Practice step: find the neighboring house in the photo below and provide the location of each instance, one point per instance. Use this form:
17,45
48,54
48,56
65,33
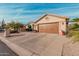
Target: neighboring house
30,23
50,23
26,26
23,28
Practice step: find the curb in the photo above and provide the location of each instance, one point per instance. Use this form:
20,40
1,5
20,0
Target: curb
15,48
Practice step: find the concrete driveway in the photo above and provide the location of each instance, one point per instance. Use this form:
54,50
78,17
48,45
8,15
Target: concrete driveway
42,44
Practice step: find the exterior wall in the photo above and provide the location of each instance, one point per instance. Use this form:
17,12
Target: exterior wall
51,19
23,28
35,27
62,27
26,26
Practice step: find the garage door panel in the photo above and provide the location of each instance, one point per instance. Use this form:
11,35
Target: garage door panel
49,28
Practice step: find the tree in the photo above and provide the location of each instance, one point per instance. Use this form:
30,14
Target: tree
75,19
13,26
75,24
3,24
29,27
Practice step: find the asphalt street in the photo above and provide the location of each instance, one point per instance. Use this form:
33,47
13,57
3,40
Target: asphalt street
5,50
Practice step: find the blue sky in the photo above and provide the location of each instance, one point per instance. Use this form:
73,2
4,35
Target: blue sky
25,12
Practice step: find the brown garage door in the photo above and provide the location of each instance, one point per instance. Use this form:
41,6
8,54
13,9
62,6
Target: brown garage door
49,27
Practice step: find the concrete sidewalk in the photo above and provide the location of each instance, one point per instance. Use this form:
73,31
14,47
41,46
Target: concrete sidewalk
41,44
6,51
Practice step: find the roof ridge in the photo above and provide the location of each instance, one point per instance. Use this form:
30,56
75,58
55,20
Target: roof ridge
58,15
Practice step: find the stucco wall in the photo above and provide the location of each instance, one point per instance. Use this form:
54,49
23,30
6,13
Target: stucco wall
62,27
35,27
49,19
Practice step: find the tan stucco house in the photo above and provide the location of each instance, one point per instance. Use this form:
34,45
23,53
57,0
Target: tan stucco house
50,23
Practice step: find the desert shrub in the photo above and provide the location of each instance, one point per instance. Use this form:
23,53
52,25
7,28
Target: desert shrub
74,35
75,38
74,27
71,33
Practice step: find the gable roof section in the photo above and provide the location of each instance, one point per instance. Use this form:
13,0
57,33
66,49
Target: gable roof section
51,15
